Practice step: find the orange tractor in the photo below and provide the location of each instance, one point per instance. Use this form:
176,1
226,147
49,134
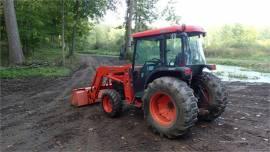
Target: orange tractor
167,79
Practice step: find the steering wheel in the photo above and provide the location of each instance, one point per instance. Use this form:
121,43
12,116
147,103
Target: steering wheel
172,62
153,60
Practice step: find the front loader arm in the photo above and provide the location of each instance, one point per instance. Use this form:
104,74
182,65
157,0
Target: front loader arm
103,80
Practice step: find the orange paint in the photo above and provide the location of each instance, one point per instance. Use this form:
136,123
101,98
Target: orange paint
79,97
102,80
162,109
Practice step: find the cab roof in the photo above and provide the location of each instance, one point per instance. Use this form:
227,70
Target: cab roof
170,29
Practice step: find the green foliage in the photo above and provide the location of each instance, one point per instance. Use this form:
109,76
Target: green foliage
235,36
45,56
264,34
103,38
239,45
260,64
40,21
40,28
51,57
23,72
237,41
3,55
169,13
100,52
238,76
45,62
145,12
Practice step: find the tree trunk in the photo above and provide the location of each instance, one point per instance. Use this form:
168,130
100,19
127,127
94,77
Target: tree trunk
71,51
63,32
15,49
136,28
128,27
76,10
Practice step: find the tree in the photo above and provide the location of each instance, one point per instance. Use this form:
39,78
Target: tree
63,32
39,23
145,13
236,36
15,50
232,36
264,33
83,11
76,17
142,12
170,13
128,28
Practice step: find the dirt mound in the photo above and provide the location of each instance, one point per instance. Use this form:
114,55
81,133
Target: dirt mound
36,116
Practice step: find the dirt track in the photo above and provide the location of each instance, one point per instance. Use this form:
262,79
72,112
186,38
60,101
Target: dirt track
36,116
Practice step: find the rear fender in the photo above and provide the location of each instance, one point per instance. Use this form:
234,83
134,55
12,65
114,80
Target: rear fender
197,69
177,72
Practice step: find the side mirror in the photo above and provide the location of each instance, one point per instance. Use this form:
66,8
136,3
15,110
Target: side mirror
204,34
211,67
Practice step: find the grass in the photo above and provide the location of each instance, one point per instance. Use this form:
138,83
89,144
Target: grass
41,63
49,56
99,52
257,61
47,62
260,64
255,56
234,75
25,71
219,73
237,76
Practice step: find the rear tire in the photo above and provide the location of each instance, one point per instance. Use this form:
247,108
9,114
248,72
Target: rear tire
175,93
214,98
111,102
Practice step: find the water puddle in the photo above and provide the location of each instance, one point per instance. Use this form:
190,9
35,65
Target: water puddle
235,73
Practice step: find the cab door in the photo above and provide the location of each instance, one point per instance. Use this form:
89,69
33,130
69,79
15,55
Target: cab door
147,56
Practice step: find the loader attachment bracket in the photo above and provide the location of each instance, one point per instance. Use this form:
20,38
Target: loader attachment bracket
80,97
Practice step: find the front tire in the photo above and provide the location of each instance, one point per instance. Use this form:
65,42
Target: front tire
170,107
111,102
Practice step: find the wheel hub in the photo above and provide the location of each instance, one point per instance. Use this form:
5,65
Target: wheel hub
162,109
107,104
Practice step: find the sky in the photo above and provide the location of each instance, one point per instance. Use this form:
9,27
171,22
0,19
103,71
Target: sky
206,12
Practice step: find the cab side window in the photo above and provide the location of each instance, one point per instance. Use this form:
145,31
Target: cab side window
146,50
173,49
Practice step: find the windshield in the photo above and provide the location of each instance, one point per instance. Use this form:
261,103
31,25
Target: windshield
195,54
175,51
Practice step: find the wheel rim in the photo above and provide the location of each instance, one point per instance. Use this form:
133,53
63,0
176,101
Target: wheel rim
107,104
162,109
206,102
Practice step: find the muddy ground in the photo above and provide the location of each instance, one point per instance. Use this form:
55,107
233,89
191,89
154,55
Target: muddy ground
36,116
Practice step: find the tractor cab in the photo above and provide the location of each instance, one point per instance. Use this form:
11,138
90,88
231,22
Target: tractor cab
173,51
